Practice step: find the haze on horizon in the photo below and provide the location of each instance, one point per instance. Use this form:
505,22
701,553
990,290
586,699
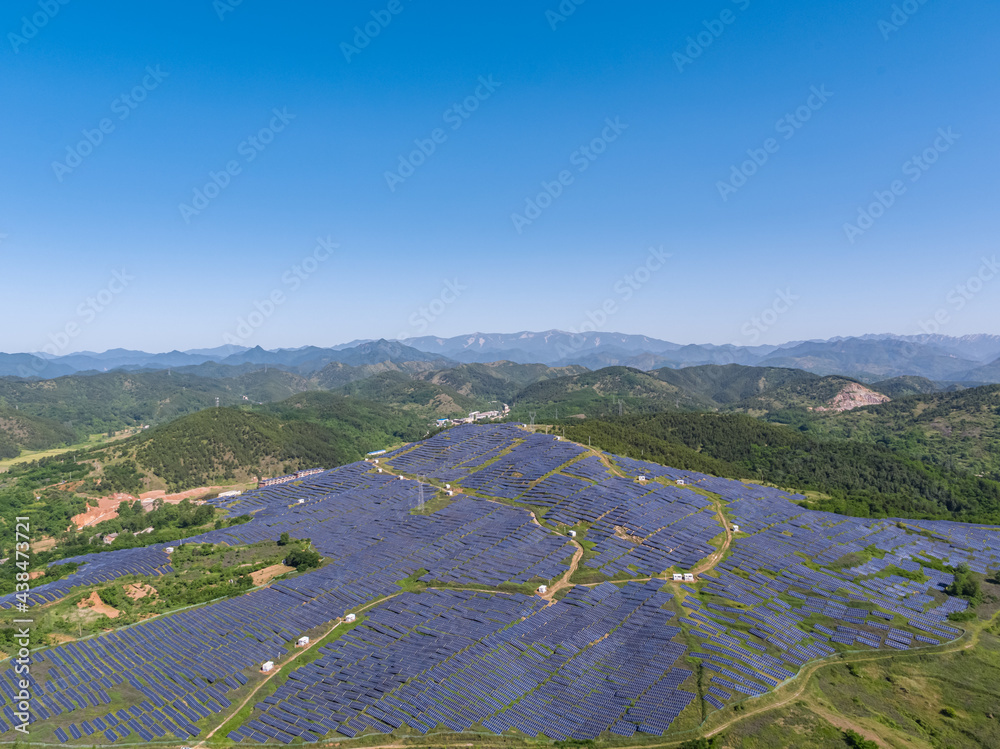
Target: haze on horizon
395,169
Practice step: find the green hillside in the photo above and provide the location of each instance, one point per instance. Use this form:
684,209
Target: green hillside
498,380
402,391
900,387
597,395
226,445
21,431
864,479
732,383
956,431
90,404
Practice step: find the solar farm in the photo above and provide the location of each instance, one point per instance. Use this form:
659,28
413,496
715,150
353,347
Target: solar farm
451,634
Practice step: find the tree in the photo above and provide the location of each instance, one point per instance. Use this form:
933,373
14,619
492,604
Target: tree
856,741
284,539
303,559
965,585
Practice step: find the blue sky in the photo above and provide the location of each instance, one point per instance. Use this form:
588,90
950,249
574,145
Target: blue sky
833,102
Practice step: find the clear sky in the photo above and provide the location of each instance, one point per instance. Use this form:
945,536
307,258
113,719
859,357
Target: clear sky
201,149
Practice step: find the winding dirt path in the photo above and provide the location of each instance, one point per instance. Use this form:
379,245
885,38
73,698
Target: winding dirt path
287,664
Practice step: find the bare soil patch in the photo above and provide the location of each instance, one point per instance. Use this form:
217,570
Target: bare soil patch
140,590
43,544
260,577
95,604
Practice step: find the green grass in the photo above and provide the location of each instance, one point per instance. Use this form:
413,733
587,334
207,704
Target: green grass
26,456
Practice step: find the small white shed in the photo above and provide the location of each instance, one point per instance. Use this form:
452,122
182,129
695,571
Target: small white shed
266,666
304,640
543,589
350,617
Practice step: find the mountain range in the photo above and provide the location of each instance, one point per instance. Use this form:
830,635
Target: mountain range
869,358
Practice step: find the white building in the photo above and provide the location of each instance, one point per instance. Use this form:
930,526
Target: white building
543,589
572,534
169,549
266,666
688,577
678,577
350,617
304,640
681,482
736,529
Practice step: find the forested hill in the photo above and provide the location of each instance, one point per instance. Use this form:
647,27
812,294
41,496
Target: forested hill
224,445
21,431
866,480
958,430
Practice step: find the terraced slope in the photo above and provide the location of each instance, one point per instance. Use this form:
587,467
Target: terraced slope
439,548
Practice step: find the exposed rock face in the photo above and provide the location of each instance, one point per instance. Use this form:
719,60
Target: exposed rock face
854,396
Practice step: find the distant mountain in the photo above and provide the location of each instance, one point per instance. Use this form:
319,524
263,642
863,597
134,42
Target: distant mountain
978,347
125,359
592,349
871,360
545,347
28,365
376,352
988,373
218,352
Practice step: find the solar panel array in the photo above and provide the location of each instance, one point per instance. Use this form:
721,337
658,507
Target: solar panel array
606,658
603,656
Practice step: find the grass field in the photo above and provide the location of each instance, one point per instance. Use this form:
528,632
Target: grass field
94,440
